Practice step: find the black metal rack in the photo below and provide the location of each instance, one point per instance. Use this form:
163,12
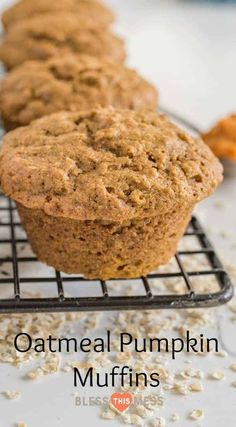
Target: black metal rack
191,297
148,300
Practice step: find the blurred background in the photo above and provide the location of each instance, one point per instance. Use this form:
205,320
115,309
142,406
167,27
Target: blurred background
188,49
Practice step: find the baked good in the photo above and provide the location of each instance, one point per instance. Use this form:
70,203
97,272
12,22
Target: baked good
222,138
38,88
88,9
106,193
55,35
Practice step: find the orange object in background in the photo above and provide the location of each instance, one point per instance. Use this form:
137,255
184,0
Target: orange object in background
222,138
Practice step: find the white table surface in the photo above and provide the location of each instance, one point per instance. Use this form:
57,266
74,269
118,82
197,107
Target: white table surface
188,49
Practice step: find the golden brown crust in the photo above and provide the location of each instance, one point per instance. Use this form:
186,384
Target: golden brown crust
88,9
222,138
56,35
73,83
106,164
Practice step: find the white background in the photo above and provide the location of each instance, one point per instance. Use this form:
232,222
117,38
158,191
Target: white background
188,49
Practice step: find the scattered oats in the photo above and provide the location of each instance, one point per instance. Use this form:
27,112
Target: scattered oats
66,368
221,353
199,374
175,417
158,422
181,388
141,324
196,414
124,357
168,387
142,411
89,363
134,419
101,359
35,375
126,418
197,386
52,364
108,415
22,425
191,373
218,375
12,394
233,384
35,324
91,321
233,367
126,387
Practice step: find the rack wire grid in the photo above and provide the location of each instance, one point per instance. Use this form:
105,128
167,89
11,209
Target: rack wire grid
20,269
12,277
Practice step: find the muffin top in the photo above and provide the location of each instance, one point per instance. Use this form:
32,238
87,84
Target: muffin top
222,138
37,88
106,164
88,9
55,35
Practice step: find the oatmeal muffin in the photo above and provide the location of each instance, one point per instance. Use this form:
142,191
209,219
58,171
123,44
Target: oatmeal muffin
106,193
88,9
37,88
55,35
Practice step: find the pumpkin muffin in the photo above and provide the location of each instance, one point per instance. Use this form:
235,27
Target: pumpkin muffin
87,9
106,193
222,138
55,35
37,88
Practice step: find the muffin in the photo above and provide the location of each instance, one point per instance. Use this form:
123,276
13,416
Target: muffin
106,193
55,35
88,9
37,88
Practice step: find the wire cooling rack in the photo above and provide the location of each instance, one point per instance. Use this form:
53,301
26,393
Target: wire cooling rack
14,276
187,283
